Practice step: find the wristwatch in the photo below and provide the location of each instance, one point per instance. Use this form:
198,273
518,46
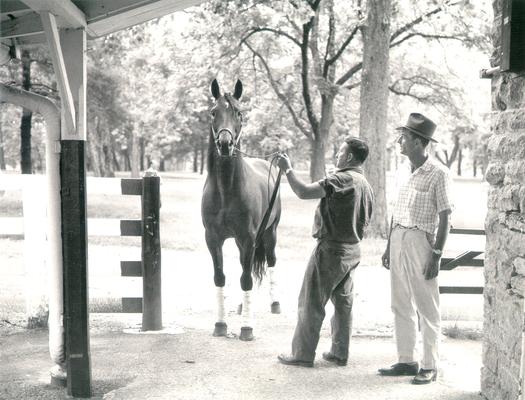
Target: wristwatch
437,252
288,170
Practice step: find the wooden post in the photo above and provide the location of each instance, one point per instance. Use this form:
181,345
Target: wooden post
74,248
151,261
74,218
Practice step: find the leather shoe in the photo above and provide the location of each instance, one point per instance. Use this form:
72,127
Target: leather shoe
289,360
425,376
400,369
328,356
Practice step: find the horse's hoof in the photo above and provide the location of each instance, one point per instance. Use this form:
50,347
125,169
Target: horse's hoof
246,334
221,329
276,307
239,309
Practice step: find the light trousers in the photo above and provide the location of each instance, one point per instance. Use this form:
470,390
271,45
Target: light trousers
413,296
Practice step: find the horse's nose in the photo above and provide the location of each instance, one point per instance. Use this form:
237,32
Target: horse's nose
225,138
225,143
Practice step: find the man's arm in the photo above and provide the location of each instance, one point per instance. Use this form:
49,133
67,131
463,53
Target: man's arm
301,189
432,268
305,190
386,255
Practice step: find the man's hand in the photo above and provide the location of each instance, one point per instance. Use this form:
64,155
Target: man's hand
284,162
432,267
385,259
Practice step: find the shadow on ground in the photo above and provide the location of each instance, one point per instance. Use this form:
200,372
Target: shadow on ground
193,364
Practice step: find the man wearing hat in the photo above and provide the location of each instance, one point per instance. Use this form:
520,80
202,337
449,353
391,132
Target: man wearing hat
414,251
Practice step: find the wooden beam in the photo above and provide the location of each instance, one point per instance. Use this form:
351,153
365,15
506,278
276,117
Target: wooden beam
131,268
68,14
465,259
460,290
461,231
53,39
120,14
131,186
28,25
130,227
74,48
132,304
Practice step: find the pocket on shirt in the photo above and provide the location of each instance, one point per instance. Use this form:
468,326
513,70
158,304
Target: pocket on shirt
419,201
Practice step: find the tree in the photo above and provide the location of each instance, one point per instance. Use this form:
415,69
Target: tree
374,104
321,40
32,72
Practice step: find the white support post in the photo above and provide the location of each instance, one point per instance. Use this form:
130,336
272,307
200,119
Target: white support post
34,208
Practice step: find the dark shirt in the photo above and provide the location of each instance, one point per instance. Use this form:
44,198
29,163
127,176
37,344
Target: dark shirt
343,214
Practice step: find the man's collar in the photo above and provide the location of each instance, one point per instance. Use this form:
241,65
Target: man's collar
356,168
426,166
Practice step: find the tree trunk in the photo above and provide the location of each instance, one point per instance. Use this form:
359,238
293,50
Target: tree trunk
2,154
135,153
203,157
374,106
26,166
317,152
93,156
142,147
116,164
195,159
460,160
474,167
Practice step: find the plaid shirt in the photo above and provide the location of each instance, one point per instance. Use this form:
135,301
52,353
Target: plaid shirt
422,195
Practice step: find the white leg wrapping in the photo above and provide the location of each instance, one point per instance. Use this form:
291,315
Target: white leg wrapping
247,309
220,304
273,285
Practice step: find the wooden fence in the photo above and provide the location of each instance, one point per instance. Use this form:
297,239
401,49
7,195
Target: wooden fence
465,259
149,267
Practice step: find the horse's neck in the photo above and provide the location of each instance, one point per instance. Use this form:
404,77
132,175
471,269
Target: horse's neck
227,174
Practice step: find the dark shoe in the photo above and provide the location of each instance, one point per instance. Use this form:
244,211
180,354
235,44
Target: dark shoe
328,356
425,376
399,369
289,360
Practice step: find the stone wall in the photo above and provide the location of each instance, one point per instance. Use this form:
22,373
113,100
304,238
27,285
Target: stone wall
505,230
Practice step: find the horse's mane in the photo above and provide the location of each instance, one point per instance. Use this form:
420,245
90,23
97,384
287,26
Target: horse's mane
234,103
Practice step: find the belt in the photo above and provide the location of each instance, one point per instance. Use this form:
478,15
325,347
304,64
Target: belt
405,227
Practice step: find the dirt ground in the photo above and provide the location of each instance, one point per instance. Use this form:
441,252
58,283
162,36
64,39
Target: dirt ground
186,362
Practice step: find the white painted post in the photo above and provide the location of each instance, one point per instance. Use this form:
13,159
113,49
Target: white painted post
35,254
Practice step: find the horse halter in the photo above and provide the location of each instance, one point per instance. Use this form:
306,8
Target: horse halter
217,134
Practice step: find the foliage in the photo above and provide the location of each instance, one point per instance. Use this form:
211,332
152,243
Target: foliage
300,62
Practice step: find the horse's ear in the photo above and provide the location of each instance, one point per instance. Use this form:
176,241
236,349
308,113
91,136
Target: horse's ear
238,89
215,91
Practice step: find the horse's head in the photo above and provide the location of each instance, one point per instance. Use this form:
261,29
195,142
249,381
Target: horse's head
226,119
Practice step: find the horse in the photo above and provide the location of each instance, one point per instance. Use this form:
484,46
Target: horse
236,195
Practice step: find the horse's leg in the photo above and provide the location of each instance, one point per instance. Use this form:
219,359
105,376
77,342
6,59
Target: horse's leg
215,247
269,241
246,251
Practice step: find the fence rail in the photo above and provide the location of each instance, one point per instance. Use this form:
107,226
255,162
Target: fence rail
466,259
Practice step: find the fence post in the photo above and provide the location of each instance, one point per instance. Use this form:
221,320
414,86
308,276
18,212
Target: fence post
151,260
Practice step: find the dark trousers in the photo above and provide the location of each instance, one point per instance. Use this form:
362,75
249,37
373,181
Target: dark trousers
329,275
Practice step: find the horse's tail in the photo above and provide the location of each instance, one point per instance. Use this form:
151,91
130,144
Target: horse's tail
259,262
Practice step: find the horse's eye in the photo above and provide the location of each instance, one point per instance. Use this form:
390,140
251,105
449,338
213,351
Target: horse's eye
212,113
